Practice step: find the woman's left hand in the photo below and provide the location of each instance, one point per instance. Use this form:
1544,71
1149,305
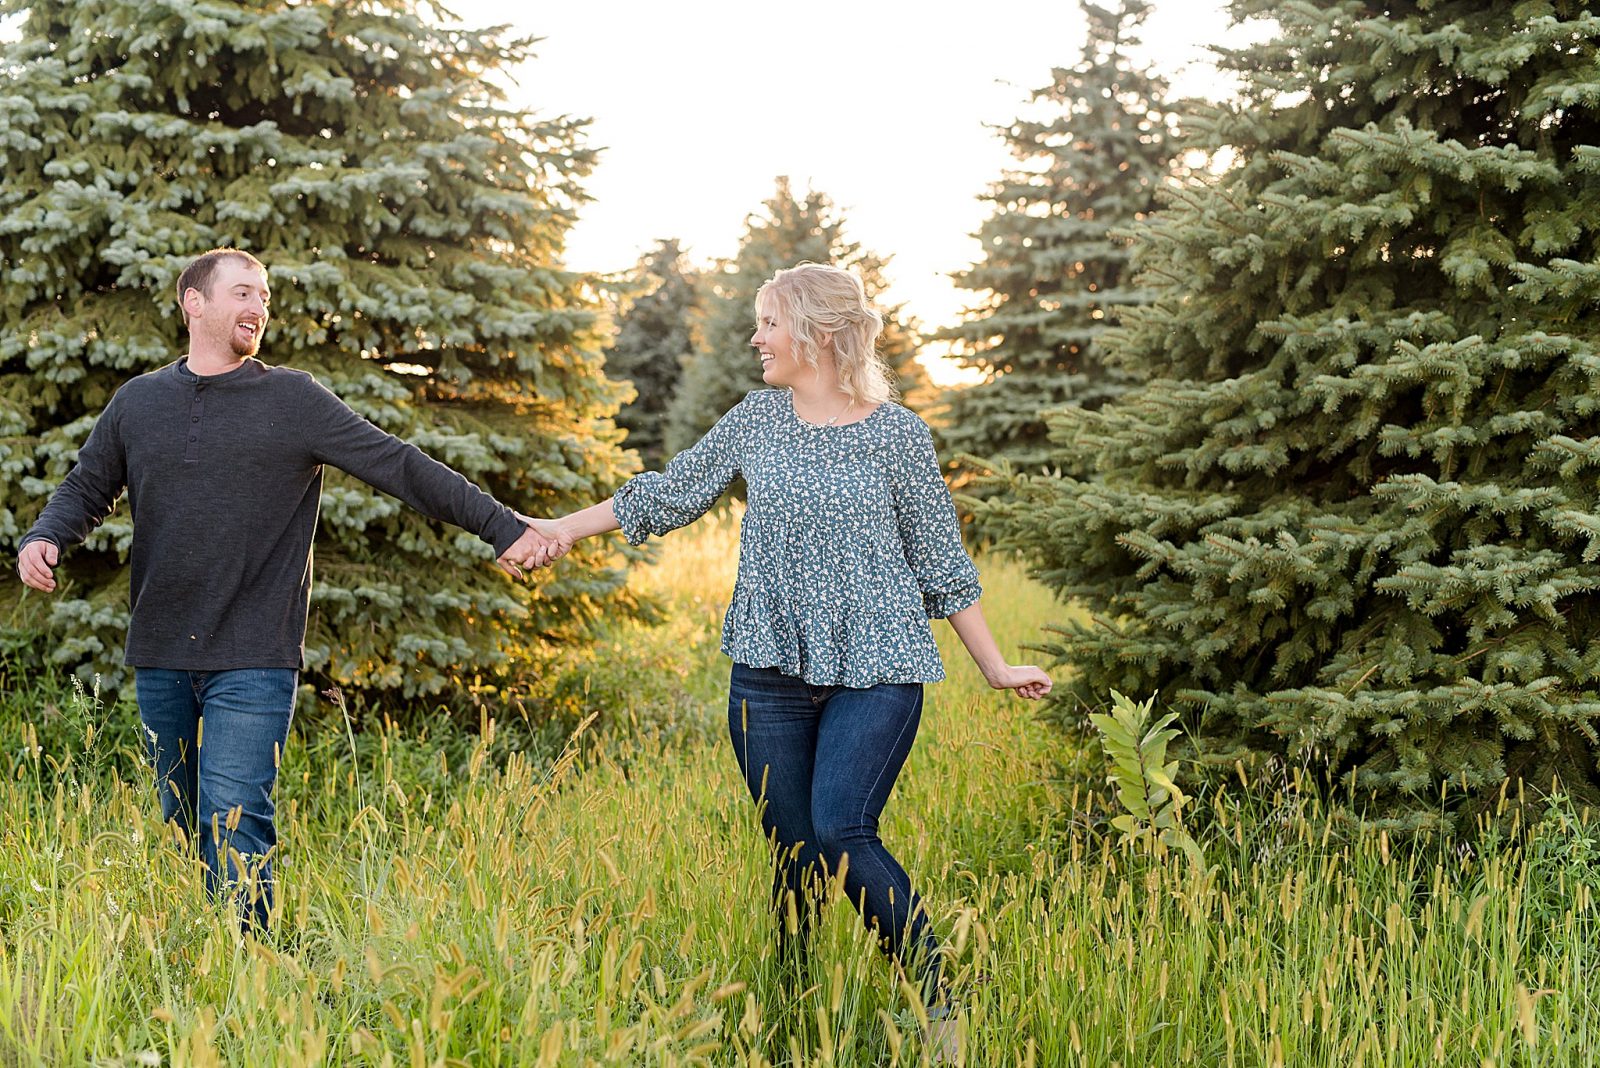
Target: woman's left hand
1027,680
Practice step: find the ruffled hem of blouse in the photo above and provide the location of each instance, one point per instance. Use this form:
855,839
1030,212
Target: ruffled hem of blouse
837,648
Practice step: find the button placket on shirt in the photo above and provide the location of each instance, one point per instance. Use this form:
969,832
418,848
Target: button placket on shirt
191,451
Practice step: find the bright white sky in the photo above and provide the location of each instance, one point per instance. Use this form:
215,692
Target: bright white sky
881,104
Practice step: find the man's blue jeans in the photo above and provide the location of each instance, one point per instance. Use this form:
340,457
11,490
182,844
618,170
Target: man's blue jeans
821,761
216,783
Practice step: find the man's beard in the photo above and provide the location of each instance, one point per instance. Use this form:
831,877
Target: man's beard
244,348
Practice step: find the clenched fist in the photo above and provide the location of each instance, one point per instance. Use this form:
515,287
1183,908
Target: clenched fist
35,564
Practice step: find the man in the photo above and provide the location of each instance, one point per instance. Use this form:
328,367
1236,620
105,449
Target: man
222,459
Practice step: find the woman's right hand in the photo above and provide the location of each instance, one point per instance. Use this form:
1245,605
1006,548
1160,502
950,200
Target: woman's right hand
557,540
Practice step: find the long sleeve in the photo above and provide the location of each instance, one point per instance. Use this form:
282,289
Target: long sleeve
336,435
90,491
657,502
929,530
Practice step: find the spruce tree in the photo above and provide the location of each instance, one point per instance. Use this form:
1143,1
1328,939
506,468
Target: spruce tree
1053,274
788,230
656,334
1352,520
412,224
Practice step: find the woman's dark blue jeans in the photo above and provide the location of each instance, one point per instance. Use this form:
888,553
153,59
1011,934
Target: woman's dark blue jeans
820,762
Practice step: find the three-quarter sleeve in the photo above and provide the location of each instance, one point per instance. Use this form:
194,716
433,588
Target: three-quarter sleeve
929,529
656,502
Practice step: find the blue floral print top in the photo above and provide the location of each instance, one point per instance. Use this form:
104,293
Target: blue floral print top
850,542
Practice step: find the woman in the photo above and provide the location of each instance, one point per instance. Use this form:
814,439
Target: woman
849,546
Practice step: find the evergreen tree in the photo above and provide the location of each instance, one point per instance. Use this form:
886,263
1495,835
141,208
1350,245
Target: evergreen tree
655,338
411,223
789,230
1352,521
1053,276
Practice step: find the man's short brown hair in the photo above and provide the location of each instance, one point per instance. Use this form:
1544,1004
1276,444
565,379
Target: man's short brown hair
198,274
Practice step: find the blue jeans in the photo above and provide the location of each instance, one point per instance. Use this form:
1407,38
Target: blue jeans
820,762
217,785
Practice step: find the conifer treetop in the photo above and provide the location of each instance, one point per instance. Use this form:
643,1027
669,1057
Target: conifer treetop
1097,143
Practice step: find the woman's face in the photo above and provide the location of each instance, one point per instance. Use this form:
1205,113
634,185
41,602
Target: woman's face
781,364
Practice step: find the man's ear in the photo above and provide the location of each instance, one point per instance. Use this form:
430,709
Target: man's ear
193,302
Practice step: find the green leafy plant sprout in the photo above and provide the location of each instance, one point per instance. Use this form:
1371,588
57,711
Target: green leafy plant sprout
1136,752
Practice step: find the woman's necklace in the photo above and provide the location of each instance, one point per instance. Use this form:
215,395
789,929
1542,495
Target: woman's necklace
840,414
850,404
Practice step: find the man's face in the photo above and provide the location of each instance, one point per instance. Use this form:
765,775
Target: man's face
234,313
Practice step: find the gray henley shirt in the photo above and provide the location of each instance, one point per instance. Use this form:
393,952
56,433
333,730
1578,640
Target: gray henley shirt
224,479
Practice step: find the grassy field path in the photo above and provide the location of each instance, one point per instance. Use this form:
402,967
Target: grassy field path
446,901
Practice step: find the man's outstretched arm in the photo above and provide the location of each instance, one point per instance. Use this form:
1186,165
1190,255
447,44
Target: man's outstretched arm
337,435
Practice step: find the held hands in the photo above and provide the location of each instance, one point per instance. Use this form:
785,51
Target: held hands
35,563
1027,680
541,544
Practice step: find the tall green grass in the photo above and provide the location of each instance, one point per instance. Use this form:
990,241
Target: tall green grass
448,900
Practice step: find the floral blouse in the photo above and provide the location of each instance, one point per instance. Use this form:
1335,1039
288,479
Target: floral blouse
850,542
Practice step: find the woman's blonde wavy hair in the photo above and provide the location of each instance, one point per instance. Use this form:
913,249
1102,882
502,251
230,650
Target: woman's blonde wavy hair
819,300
